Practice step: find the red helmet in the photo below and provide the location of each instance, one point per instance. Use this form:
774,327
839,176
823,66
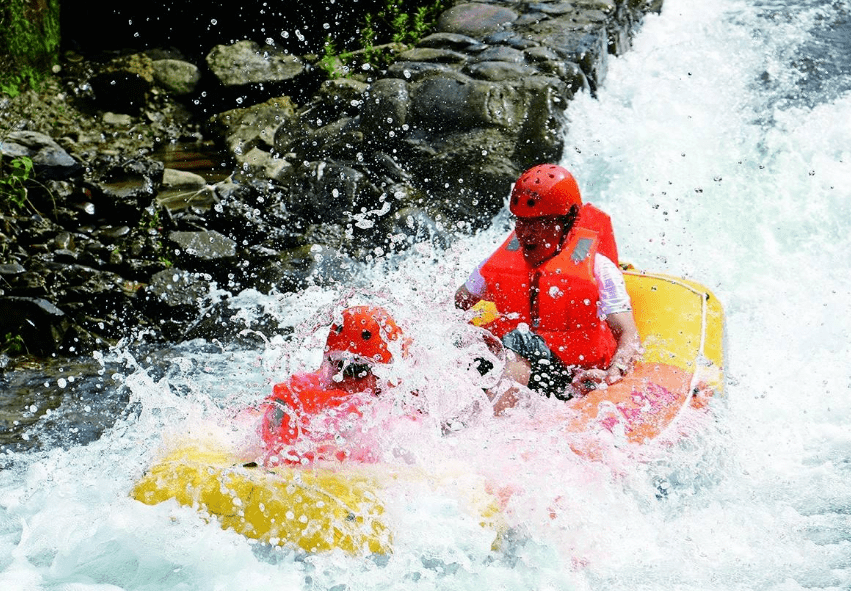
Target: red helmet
364,331
544,190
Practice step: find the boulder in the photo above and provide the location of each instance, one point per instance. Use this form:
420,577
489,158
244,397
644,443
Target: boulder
245,62
176,76
255,126
385,108
475,19
122,85
50,160
203,246
39,323
122,188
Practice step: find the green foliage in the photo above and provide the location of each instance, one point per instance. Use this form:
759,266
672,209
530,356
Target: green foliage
394,27
333,63
13,186
13,344
13,84
29,43
405,22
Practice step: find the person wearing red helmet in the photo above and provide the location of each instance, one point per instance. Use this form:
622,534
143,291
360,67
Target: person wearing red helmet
307,417
560,301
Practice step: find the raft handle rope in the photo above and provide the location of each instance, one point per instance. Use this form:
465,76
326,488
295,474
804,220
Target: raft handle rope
701,360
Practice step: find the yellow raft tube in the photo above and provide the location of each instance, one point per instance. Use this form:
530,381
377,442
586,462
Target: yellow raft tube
315,508
320,508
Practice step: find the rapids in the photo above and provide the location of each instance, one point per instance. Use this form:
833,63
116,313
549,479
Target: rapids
721,146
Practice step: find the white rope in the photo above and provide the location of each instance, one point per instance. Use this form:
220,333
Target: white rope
700,360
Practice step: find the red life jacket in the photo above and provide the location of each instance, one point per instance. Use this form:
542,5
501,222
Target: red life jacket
559,299
303,418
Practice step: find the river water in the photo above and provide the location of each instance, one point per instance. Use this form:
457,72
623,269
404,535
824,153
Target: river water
721,145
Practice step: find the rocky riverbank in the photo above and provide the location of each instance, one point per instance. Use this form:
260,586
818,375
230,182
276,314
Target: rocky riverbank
159,181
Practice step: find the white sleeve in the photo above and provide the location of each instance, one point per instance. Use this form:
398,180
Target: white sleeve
613,295
475,283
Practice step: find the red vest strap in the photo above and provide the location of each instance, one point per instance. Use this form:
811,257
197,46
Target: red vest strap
600,223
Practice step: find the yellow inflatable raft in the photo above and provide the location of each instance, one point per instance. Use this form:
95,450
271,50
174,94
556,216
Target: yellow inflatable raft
315,508
322,508
681,324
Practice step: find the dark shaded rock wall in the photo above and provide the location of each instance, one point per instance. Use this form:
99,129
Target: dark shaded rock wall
116,240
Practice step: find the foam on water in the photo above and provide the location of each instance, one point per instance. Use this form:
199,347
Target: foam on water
717,164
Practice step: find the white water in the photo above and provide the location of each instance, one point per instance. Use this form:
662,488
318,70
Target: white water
710,170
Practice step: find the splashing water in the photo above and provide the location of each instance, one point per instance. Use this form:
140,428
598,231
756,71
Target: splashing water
721,145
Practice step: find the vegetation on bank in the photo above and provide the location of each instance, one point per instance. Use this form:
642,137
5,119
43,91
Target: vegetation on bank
13,184
29,43
396,26
30,39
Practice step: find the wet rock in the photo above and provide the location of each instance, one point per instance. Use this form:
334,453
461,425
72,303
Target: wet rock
203,247
182,189
548,61
174,297
341,97
541,135
36,232
258,163
182,180
499,71
177,289
458,103
557,8
117,119
244,219
474,19
11,269
512,39
255,126
428,54
500,54
327,192
389,166
29,284
122,85
245,62
385,107
452,41
230,323
464,178
583,41
340,140
39,323
50,161
176,76
122,188
414,71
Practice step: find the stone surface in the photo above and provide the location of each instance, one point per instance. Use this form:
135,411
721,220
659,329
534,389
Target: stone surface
204,245
315,173
475,19
176,76
245,62
50,160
